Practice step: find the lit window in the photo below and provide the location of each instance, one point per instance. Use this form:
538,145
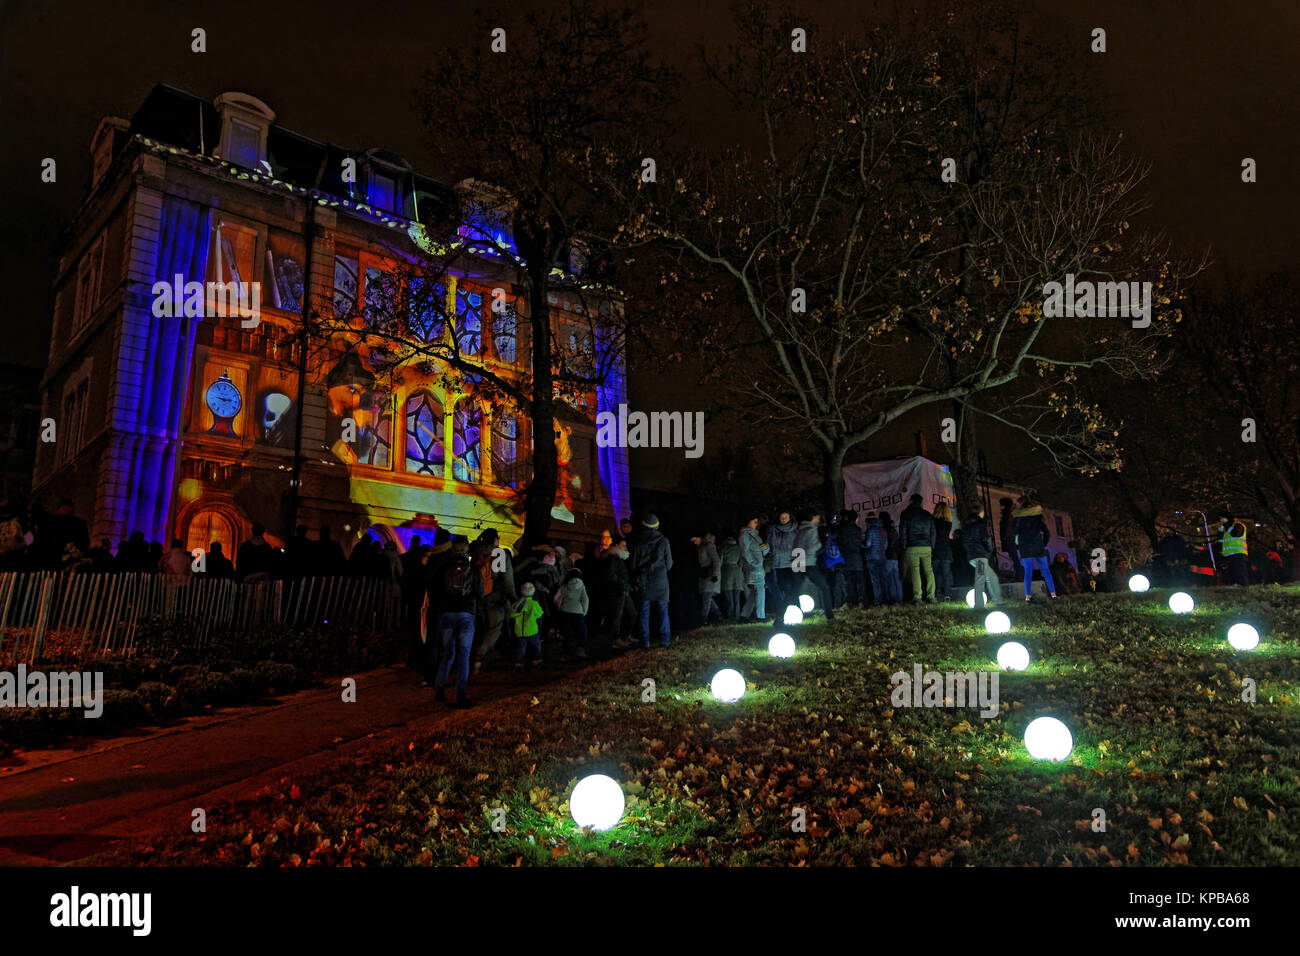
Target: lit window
285,276
374,422
345,285
505,332
506,466
381,297
426,305
383,191
244,145
467,440
424,430
469,322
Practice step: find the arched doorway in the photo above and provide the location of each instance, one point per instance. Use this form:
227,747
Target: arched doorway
211,525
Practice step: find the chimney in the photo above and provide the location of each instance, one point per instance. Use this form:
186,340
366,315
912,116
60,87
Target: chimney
920,443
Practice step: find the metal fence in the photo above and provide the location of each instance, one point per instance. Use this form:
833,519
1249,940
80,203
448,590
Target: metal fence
102,613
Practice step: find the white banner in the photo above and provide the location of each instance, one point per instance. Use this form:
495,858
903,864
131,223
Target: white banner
888,486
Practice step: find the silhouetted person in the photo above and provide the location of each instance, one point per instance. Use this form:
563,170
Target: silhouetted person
256,558
299,553
101,558
330,561
133,555
216,564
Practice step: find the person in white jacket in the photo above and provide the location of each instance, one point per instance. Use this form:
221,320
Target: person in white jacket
572,603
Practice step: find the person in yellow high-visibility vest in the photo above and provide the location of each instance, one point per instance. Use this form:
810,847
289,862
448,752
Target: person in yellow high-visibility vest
1232,546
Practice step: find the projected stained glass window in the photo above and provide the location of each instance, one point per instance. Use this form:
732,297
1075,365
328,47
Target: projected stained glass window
469,322
467,426
424,434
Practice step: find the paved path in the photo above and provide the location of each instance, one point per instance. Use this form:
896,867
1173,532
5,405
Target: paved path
63,805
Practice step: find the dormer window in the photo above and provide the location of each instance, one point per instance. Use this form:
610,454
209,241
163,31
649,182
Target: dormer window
243,147
383,190
245,122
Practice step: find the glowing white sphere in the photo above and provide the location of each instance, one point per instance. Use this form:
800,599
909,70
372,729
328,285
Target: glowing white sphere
970,598
728,686
1046,738
806,603
1243,637
597,802
997,623
1181,603
1013,656
792,615
1139,582
781,645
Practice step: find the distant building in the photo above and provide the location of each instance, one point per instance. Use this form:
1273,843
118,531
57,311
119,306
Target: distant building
193,427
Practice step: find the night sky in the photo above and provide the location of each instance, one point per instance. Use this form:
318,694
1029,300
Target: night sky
1194,87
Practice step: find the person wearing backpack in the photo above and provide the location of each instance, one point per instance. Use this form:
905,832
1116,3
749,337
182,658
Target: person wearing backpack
524,615
462,590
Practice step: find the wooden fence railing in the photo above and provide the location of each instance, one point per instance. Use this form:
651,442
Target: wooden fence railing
102,613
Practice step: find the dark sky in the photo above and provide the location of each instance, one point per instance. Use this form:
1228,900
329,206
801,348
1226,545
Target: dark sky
1195,86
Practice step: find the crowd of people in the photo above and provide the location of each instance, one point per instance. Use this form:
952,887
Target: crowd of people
469,604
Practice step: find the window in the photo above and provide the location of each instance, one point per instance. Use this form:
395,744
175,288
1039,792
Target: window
73,426
89,275
507,468
424,434
383,191
1060,527
469,322
467,440
284,257
426,306
244,144
233,250
381,296
374,421
345,284
505,331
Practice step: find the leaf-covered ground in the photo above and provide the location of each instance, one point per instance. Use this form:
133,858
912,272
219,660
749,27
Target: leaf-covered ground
1184,769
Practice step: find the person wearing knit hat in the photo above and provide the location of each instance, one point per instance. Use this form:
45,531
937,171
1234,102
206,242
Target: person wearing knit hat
651,561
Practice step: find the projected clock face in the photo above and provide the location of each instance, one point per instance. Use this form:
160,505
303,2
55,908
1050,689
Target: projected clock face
223,398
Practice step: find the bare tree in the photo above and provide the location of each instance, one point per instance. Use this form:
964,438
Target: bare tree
841,238
547,120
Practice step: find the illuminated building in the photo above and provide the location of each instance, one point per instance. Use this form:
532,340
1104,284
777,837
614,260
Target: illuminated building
187,426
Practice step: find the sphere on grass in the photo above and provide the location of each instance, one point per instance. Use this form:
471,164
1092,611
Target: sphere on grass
1013,656
728,686
596,802
1047,738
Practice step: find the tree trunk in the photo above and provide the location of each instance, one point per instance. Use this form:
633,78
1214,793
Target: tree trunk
540,496
833,478
965,466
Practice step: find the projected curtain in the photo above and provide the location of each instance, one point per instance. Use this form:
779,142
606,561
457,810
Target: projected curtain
183,239
611,463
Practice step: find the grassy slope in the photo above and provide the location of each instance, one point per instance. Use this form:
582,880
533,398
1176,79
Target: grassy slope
1185,771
